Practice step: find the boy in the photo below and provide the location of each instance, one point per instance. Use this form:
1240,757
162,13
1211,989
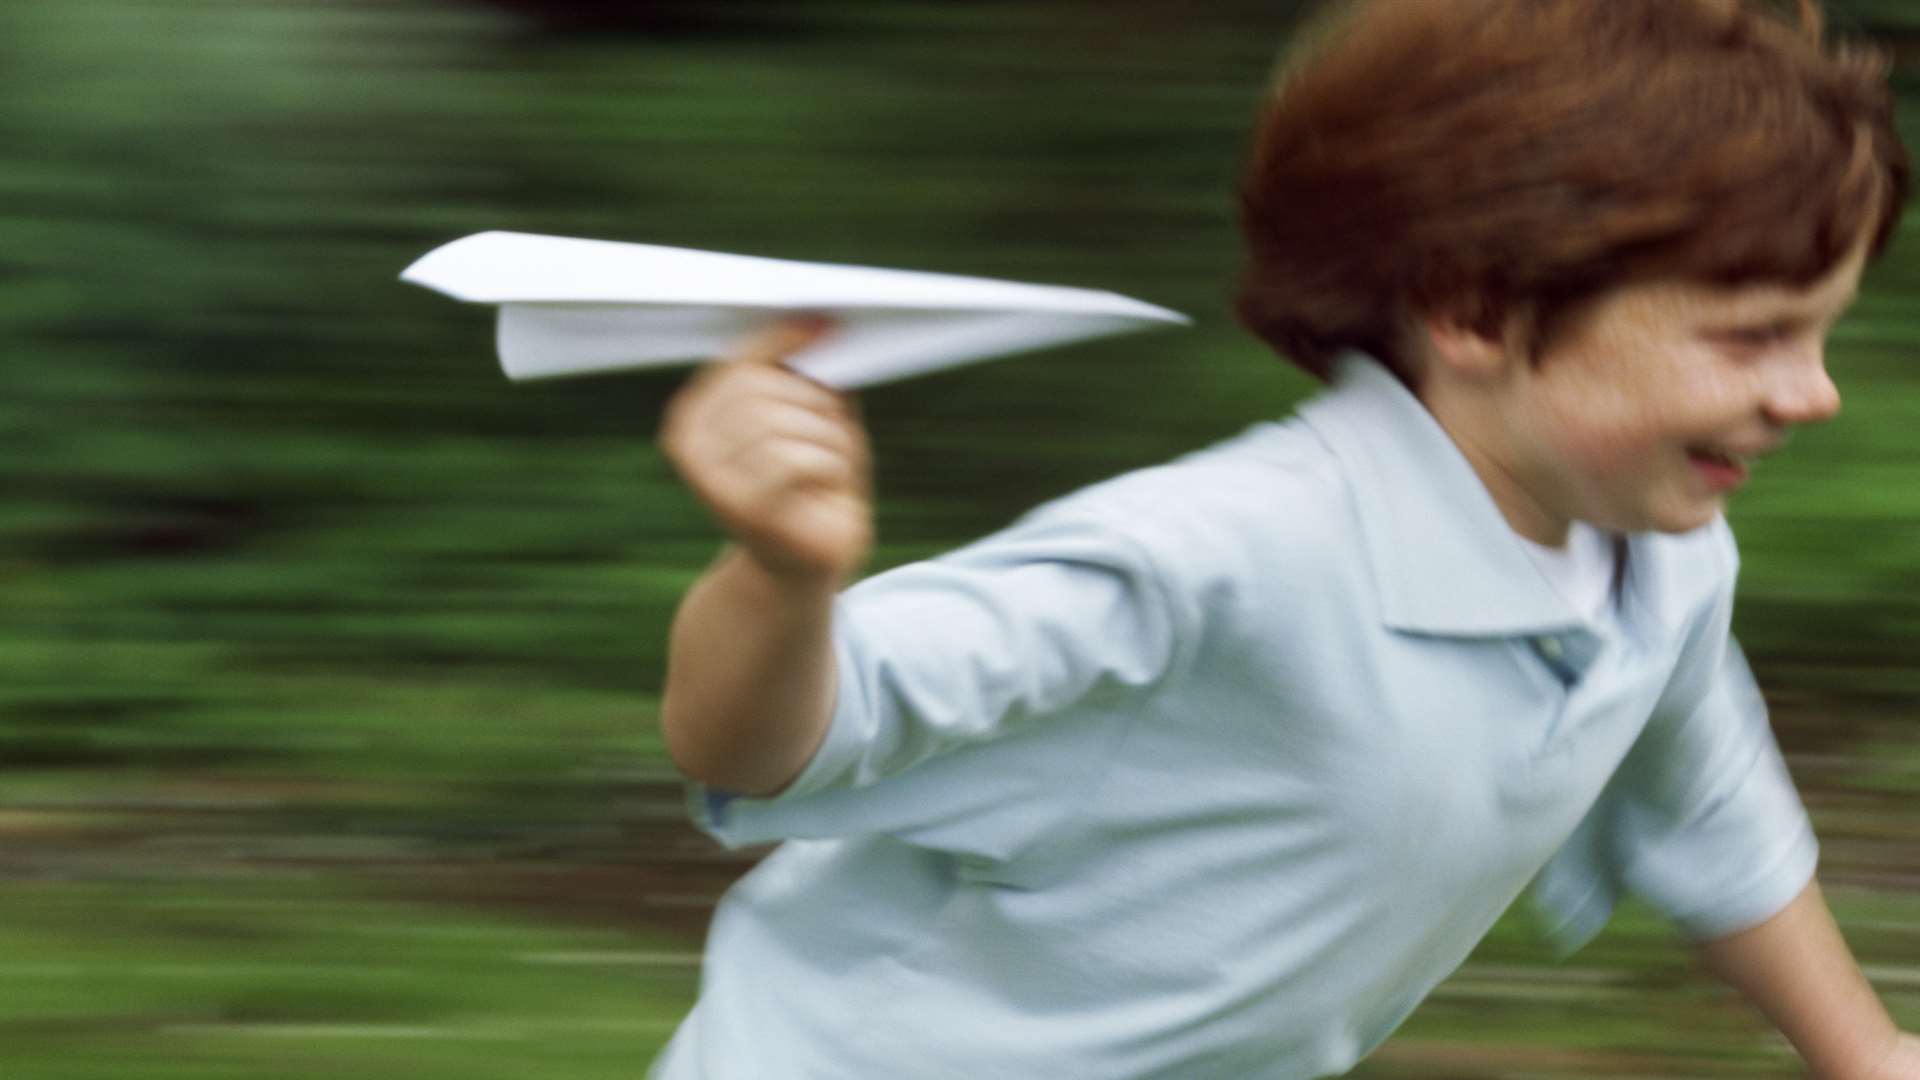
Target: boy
1214,770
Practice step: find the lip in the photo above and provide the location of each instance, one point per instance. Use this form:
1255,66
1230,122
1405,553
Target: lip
1720,474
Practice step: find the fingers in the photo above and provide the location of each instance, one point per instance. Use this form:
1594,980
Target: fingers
734,417
769,449
757,483
737,424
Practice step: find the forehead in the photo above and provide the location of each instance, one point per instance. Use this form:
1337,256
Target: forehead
1825,297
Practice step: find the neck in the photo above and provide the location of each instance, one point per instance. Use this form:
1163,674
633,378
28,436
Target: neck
1478,440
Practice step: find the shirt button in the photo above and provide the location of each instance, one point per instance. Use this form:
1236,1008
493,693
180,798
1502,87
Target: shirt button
1550,647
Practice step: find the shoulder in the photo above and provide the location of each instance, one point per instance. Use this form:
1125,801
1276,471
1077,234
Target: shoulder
1272,488
1260,521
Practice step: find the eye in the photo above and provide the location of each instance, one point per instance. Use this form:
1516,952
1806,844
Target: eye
1754,337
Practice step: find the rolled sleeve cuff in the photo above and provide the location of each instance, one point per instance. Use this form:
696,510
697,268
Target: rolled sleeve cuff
1749,899
740,820
1734,865
1573,900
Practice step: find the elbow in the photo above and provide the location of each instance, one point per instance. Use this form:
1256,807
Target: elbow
691,758
700,757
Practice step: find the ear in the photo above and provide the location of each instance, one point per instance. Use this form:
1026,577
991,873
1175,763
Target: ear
1463,349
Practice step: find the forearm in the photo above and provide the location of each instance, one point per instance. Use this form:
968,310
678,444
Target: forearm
1797,969
750,676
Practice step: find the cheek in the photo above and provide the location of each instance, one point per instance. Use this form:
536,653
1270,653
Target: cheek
1634,404
1608,431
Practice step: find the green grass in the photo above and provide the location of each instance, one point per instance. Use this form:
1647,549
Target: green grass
311,976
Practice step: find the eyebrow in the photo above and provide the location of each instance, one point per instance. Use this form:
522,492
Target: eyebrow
1794,312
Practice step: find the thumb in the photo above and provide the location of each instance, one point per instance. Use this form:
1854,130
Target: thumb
776,342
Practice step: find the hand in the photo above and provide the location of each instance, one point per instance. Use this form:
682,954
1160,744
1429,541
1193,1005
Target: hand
782,461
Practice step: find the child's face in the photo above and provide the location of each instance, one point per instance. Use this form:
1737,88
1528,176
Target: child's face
1650,410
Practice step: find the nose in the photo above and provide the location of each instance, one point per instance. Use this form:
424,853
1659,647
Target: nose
1801,392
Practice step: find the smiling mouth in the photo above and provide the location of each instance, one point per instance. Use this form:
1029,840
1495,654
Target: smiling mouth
1722,470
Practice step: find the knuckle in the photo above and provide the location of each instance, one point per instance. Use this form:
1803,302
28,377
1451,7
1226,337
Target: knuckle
811,466
794,470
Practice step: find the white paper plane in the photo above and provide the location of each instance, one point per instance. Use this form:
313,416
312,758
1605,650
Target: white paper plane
570,307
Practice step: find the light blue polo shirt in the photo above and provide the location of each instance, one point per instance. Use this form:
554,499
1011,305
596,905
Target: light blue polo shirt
1212,771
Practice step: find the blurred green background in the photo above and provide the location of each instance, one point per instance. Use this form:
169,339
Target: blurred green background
330,659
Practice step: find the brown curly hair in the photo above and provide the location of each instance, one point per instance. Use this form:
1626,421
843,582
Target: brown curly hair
1482,159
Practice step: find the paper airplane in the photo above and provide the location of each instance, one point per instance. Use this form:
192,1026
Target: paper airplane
570,307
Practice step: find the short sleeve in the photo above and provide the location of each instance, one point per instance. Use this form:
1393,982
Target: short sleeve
1713,833
1702,819
1054,623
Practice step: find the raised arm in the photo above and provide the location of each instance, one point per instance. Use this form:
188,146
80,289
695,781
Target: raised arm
1797,969
783,464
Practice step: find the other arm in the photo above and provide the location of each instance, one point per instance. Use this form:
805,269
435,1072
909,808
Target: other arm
1798,970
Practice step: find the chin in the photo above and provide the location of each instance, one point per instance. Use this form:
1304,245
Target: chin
1685,519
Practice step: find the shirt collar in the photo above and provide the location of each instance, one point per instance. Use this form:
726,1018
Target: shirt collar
1444,560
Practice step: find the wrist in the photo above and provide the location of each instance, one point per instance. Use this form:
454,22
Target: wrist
1876,1058
1900,1060
781,583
